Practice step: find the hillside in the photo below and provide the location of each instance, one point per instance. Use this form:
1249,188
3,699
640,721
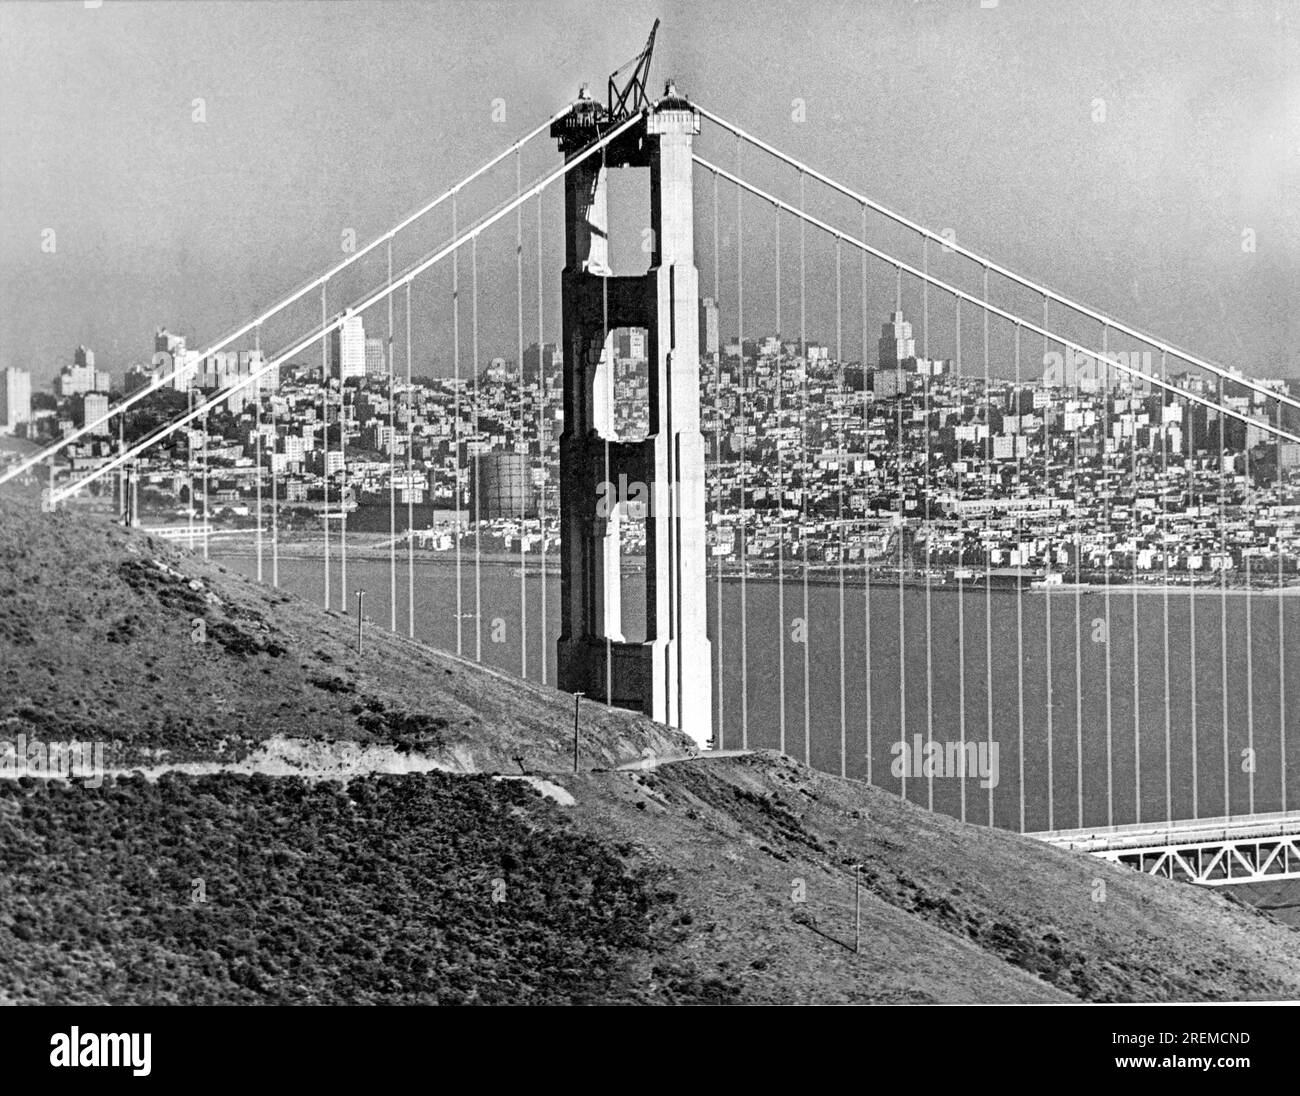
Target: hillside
676,884
114,635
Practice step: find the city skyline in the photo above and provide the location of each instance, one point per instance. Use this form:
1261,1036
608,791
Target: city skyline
962,465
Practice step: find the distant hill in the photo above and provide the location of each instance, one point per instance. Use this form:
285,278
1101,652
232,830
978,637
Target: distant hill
704,879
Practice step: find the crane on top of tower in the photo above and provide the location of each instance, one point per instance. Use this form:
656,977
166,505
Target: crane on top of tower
587,120
625,102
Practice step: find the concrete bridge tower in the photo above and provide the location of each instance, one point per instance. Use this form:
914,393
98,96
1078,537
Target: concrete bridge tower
669,676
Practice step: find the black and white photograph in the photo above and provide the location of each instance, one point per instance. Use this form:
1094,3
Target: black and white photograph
653,503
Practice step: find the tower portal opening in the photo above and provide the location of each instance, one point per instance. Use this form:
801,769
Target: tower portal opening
631,239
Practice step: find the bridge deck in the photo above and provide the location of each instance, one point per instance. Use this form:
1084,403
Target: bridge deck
1184,831
1209,851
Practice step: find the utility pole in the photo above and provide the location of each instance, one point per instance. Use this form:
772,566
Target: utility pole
123,504
857,908
189,461
577,700
360,602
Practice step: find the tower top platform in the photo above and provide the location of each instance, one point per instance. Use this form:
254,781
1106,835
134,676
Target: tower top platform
587,121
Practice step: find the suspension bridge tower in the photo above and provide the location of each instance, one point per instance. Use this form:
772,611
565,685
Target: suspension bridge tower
669,675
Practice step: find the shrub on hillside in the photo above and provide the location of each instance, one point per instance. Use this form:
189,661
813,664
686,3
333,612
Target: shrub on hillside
393,889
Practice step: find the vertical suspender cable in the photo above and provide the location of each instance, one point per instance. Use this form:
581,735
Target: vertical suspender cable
961,545
839,496
866,510
1223,610
456,441
988,554
1020,598
1075,492
804,488
898,531
343,477
1281,632
477,468
1047,600
1047,590
780,493
119,478
189,461
521,443
325,434
392,461
744,468
719,630
257,454
541,439
924,515
1191,628
1164,556
275,501
343,488
207,506
1107,481
410,469
1247,598
607,363
1137,536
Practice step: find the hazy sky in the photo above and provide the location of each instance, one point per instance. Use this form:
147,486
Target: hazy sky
324,117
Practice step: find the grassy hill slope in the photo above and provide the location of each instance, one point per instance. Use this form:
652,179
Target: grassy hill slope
708,879
113,635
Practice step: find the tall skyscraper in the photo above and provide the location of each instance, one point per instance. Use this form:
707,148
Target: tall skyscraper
170,356
139,376
94,406
708,328
81,376
630,343
348,349
15,398
164,342
376,360
541,362
896,342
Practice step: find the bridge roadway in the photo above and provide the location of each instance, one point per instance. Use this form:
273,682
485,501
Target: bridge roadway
1210,851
